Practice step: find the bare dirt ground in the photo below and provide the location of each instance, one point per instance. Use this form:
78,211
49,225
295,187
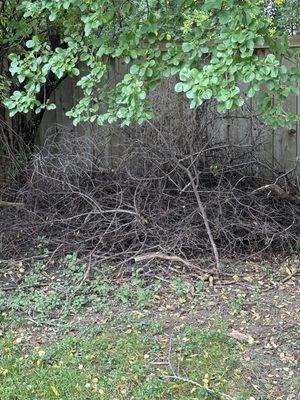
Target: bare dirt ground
269,321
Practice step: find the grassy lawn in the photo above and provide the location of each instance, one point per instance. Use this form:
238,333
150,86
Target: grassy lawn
169,337
123,362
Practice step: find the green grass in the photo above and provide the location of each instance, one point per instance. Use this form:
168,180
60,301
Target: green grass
115,360
133,328
121,363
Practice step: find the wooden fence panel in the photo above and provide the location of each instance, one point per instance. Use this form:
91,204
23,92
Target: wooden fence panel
285,139
298,132
280,148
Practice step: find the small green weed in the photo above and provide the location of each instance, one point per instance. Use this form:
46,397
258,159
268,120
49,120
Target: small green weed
55,296
238,303
41,246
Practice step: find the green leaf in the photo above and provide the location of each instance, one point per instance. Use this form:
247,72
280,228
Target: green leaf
251,92
179,87
221,107
224,17
30,44
260,41
193,104
212,4
51,106
122,112
207,94
134,69
229,104
240,102
142,95
186,47
75,71
52,16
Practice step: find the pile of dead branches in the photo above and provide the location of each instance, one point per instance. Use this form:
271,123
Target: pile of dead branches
167,194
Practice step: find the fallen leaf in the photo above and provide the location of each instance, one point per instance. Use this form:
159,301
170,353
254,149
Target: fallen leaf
241,336
55,391
250,340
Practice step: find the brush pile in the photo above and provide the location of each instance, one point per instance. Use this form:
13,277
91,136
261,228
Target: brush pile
112,209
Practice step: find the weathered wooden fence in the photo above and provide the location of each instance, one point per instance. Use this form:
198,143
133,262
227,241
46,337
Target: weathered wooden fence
279,148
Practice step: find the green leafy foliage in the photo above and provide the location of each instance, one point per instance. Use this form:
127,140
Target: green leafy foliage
285,15
210,44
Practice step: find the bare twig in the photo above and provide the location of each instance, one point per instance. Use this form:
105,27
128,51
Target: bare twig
194,383
161,256
10,204
278,190
177,377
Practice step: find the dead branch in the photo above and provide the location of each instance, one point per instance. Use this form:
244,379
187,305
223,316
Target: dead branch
194,383
11,204
278,190
166,257
177,377
205,219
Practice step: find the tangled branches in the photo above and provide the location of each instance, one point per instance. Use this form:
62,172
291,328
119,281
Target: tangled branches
177,194
13,153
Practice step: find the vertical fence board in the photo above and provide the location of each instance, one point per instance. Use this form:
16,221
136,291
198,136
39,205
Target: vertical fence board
298,132
285,139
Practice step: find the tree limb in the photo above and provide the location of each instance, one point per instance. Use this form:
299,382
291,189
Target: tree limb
11,204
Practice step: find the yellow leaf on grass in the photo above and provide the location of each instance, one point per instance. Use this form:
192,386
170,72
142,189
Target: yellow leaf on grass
206,383
290,270
256,316
250,340
55,391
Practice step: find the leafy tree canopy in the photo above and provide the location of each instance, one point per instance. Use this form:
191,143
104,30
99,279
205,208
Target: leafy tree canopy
209,44
284,15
